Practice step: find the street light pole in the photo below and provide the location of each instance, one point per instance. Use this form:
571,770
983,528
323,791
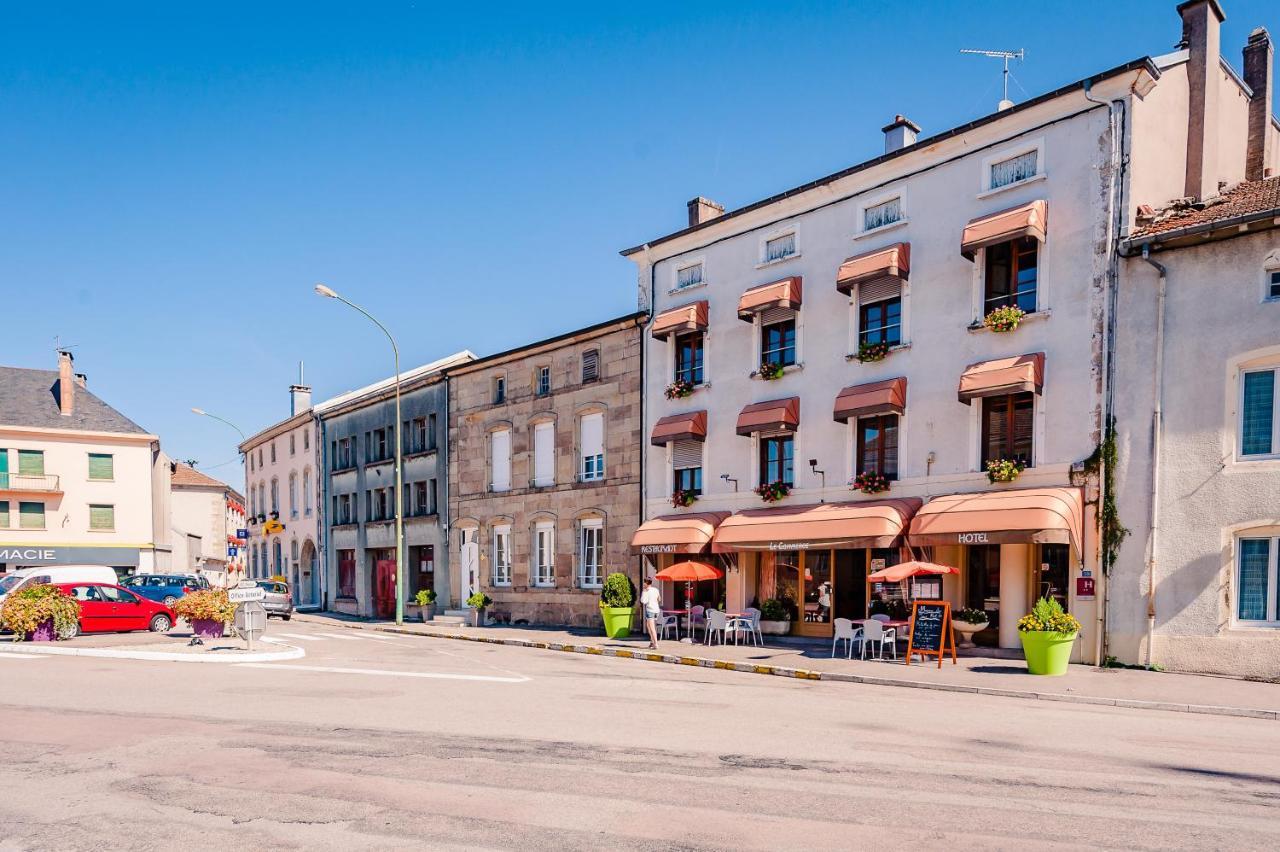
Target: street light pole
203,413
329,293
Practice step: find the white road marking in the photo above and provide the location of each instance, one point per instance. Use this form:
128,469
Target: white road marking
300,636
386,673
339,636
8,656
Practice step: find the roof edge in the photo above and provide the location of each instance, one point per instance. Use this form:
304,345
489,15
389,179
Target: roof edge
635,318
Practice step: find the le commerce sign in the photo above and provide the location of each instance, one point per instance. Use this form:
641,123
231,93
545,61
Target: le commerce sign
26,555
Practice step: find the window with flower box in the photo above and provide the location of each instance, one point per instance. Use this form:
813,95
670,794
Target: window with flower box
880,312
777,458
877,448
1008,426
1011,273
689,353
778,337
686,466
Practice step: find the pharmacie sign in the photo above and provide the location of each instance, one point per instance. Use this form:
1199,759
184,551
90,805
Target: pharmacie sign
12,555
26,554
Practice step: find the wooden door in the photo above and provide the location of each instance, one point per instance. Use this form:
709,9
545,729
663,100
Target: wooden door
384,588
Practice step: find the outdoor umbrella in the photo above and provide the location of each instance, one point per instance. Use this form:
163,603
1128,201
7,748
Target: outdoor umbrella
904,570
689,573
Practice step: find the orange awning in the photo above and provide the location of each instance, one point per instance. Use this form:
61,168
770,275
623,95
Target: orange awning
1001,376
1053,515
692,317
888,396
680,427
891,262
776,414
843,526
779,294
687,533
1027,220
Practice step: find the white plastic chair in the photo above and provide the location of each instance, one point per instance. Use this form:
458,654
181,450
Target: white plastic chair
874,631
697,620
881,617
846,630
753,614
668,622
739,625
717,622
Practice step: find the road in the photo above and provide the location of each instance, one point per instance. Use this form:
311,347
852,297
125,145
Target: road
395,742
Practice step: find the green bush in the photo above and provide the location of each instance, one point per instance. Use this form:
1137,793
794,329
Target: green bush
774,610
618,591
479,600
1048,616
27,609
425,597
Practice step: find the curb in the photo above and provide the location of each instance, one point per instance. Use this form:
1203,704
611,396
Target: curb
810,674
294,653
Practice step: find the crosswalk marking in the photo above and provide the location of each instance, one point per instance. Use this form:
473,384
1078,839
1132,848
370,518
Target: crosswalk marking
386,673
301,637
9,656
339,636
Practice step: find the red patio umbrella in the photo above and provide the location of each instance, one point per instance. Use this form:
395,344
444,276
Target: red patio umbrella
904,570
689,573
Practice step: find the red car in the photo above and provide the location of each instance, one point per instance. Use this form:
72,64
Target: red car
105,608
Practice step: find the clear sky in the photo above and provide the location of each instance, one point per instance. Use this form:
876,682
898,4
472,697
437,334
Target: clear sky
175,180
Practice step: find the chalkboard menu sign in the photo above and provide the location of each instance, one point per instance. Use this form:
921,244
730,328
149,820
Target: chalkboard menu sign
931,633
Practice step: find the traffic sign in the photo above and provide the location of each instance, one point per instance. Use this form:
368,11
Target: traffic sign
244,595
243,535
232,550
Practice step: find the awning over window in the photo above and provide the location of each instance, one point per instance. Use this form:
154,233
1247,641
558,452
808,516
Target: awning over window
692,317
1001,376
1025,515
888,396
771,416
779,294
842,526
688,533
680,427
1028,220
891,262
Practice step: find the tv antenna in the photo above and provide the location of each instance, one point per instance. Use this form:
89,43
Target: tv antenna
1006,55
59,346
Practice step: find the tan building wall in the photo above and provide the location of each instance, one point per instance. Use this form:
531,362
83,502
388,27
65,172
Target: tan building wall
568,503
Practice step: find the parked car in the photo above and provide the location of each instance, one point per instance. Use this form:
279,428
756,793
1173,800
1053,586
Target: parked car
279,601
55,574
106,608
165,588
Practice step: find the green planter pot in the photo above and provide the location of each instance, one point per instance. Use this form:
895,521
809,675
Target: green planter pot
617,621
1047,653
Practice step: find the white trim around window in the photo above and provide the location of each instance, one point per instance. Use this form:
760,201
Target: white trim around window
860,229
1255,578
502,555
1260,370
984,177
680,266
778,234
1271,277
591,553
542,556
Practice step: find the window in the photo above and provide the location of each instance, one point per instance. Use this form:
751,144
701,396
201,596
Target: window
4,514
346,573
381,502
689,276
882,214
1258,416
293,495
778,339
592,443
544,555
777,459
259,456
689,357
499,389
544,457
686,466
877,450
880,313
1022,167
31,516
379,447
779,247
275,496
1011,272
306,439
1007,428
1273,284
101,466
1257,584
542,382
590,365
419,504
418,435
30,463
306,492
502,555
273,452
500,459
344,453
431,431
591,554
343,512
293,445
251,465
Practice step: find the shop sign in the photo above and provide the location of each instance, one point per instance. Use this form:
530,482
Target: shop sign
789,545
35,556
1084,588
658,548
972,538
877,565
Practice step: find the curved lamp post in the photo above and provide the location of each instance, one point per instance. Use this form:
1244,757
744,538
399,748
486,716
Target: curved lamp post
329,293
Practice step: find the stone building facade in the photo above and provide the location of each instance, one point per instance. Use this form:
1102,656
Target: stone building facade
545,472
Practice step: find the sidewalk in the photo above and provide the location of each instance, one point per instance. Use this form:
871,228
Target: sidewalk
980,675
173,646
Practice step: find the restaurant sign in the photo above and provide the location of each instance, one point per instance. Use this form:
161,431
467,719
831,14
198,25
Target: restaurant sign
789,545
659,548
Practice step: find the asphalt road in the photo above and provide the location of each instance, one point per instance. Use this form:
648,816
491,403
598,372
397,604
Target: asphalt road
373,743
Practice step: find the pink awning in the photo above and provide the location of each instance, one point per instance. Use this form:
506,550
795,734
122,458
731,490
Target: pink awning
680,427
891,262
885,397
692,317
1002,376
841,526
771,416
778,294
685,533
1023,515
1027,220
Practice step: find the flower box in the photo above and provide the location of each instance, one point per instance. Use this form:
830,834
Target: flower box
1004,319
772,492
871,352
870,482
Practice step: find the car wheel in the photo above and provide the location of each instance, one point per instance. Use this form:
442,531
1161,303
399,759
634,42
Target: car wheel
69,633
286,616
169,601
160,623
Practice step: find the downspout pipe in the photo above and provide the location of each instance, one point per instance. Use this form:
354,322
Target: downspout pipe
1157,427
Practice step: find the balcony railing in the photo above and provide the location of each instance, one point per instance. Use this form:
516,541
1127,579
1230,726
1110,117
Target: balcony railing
33,483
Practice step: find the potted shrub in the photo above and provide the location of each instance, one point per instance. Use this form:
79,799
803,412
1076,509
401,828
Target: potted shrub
1047,634
871,352
40,614
208,611
426,600
682,498
1004,319
968,622
1004,470
478,602
775,617
770,371
870,482
679,389
772,492
617,603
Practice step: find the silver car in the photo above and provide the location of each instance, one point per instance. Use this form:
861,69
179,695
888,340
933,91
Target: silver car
278,600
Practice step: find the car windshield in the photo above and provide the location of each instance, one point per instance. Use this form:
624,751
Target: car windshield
8,584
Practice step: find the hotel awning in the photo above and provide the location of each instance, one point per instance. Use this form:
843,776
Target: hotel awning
1024,515
1027,220
890,262
779,294
680,427
771,416
888,396
687,533
692,317
1002,376
842,526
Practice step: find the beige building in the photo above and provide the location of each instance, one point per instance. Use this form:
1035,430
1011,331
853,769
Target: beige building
204,516
545,472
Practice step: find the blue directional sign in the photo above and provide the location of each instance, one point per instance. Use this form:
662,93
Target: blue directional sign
232,550
243,535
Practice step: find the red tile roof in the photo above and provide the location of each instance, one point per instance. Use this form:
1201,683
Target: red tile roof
1243,199
187,475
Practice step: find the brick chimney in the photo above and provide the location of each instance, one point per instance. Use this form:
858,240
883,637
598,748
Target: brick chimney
899,133
703,210
1201,25
66,384
1257,75
299,399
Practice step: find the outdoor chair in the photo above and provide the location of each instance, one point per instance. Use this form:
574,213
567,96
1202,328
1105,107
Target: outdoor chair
881,617
717,622
738,625
874,631
754,615
697,621
668,622
850,633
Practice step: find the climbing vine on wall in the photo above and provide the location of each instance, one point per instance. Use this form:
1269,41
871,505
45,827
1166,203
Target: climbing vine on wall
1103,458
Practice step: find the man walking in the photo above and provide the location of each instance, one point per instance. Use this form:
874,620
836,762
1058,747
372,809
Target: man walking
651,600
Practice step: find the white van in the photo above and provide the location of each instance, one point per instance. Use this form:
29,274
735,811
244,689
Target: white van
15,580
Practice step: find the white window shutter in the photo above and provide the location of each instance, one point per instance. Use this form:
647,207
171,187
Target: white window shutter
593,434
686,454
544,458
500,463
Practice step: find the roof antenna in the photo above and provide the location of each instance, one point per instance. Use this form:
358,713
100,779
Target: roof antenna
1006,55
59,347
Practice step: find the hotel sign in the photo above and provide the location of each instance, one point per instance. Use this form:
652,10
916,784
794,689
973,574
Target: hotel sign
972,538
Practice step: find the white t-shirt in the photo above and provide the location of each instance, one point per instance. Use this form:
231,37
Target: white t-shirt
651,600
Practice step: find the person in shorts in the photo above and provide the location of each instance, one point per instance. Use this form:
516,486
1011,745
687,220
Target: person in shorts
651,600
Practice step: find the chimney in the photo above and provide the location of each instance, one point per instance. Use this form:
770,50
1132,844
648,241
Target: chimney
703,210
1201,22
899,133
299,399
82,380
1257,76
66,384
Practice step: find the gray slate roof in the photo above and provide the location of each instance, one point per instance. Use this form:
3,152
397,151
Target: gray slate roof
30,398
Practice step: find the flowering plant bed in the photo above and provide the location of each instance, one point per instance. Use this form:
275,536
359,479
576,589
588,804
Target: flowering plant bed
772,492
871,352
1005,470
770,371
683,497
1004,319
205,605
40,612
870,482
679,389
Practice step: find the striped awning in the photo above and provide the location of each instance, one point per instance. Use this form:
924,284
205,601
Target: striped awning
777,294
772,416
893,262
691,317
1027,220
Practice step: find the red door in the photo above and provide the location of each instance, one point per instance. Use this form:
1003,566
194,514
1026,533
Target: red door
95,611
384,588
131,612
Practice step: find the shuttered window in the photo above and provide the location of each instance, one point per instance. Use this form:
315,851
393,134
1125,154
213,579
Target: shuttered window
101,466
4,514
544,454
590,365
102,517
686,466
1258,416
500,459
31,516
592,426
31,462
1008,428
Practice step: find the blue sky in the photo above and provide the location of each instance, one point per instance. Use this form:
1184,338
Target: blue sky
176,180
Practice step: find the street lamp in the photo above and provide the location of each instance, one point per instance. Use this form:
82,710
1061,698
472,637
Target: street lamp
203,413
330,293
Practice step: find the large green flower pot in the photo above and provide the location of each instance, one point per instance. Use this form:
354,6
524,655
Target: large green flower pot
617,621
1047,653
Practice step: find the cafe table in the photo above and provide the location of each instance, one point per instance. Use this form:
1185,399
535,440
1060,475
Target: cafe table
677,613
